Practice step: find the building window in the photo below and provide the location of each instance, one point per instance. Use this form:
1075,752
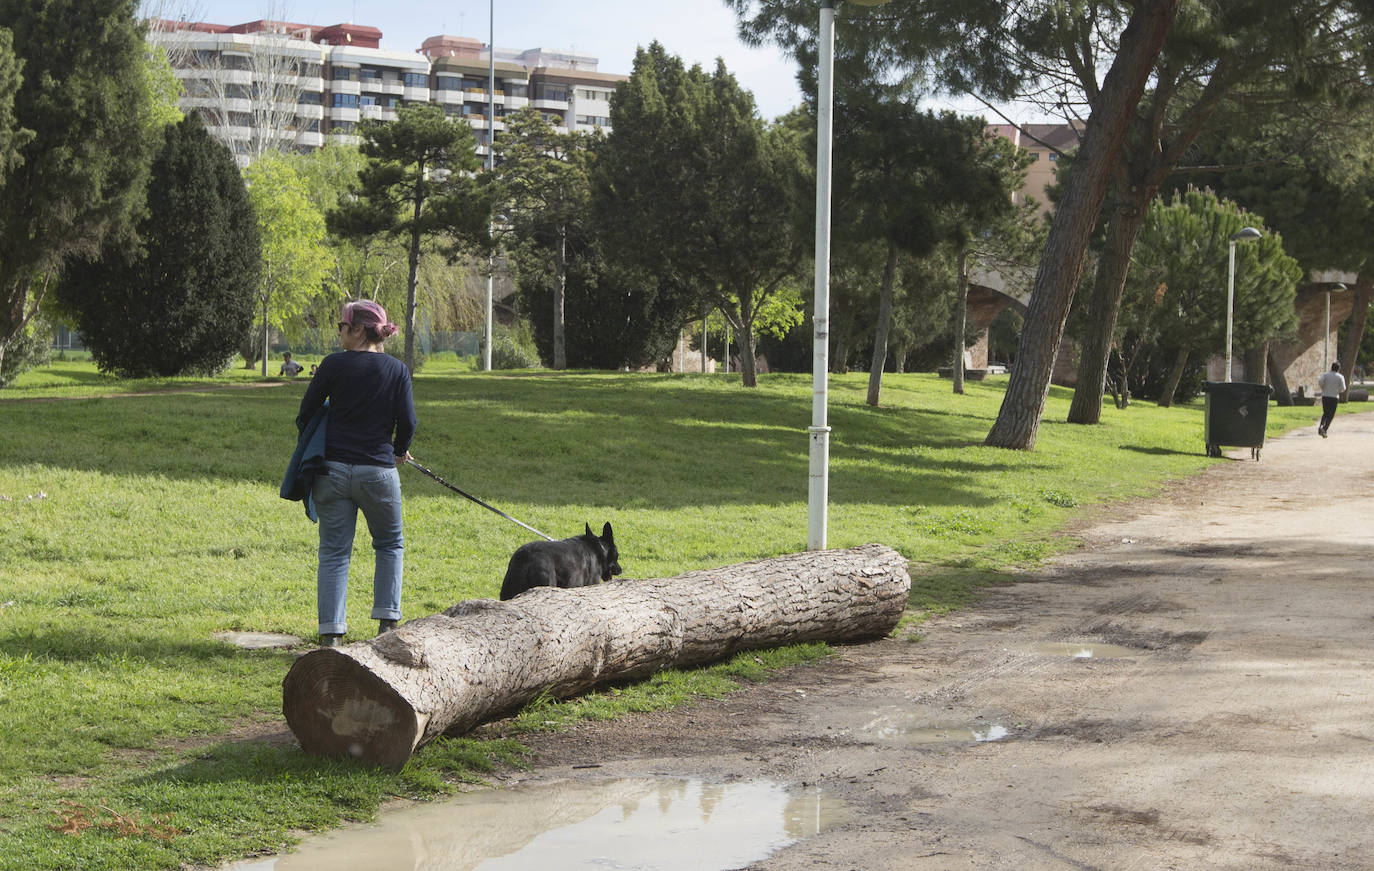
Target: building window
517,90
345,101
593,120
450,83
309,98
417,80
1054,156
344,128
551,92
345,74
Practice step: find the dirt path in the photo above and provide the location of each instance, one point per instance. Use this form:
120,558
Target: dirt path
1236,732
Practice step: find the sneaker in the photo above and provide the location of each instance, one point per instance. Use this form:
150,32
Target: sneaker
1323,433
385,626
330,640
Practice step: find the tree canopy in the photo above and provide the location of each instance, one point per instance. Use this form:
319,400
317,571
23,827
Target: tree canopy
417,185
295,261
183,300
81,175
693,187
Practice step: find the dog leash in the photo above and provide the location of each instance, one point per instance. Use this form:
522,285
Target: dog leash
478,501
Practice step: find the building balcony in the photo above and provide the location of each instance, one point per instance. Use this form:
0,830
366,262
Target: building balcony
310,83
390,87
309,110
554,105
517,102
418,94
345,139
342,86
447,95
307,139
344,113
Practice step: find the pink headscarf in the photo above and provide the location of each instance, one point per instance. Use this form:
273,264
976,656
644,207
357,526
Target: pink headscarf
370,316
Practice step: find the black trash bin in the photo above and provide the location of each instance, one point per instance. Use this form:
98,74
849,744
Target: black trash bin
1236,414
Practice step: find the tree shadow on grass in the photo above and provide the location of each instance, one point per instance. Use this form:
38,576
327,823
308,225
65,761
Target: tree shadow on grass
596,439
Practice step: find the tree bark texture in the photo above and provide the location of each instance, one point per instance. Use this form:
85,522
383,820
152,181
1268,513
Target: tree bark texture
1166,396
1104,307
1282,395
1018,420
560,289
875,369
379,700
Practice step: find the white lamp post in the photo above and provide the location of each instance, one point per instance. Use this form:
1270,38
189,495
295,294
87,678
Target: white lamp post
491,167
1243,235
1326,336
818,490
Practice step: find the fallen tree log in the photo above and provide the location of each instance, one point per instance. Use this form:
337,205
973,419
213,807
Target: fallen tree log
379,700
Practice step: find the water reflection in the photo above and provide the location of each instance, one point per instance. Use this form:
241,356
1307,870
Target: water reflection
645,825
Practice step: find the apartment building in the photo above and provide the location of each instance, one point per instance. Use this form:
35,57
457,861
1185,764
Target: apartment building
271,85
1045,142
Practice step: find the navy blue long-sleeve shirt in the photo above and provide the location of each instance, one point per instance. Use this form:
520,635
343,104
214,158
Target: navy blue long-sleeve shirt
371,410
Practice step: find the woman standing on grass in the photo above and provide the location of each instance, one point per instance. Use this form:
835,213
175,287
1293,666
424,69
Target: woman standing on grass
371,423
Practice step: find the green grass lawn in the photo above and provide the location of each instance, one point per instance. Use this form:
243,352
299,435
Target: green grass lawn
138,524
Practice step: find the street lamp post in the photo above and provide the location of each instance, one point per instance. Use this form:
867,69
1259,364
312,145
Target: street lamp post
491,167
818,489
1244,235
1326,336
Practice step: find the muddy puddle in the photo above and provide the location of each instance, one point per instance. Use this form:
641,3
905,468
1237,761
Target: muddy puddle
1084,649
641,824
903,728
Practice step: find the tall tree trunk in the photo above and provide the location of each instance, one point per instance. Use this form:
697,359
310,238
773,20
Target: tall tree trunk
376,701
1018,420
875,369
1282,395
1350,354
1104,307
1253,360
1166,397
744,344
560,286
412,281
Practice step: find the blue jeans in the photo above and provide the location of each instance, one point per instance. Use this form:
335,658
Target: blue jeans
338,496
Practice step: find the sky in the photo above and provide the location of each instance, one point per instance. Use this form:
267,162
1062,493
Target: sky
698,31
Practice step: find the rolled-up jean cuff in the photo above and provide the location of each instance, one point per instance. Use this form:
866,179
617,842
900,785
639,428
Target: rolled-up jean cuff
386,614
333,628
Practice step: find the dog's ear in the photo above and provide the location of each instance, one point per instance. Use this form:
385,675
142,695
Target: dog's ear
606,533
589,529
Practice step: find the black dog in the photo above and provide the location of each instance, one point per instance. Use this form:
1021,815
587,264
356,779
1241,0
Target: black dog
572,562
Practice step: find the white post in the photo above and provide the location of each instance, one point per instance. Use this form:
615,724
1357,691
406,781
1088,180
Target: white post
491,167
1230,299
818,491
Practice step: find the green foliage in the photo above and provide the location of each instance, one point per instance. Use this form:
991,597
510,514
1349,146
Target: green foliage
32,347
691,186
295,262
513,348
13,136
82,174
182,303
1175,301
417,184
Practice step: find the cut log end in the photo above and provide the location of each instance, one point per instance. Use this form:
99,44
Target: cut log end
338,707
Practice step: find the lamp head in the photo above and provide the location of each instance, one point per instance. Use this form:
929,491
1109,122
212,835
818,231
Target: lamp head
1337,288
1246,234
